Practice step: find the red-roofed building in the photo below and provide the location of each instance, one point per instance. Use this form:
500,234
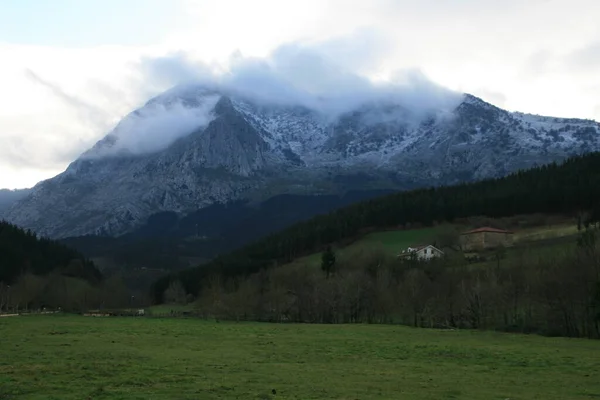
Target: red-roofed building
485,238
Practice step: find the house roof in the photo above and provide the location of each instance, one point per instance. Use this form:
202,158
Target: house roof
486,229
421,247
433,247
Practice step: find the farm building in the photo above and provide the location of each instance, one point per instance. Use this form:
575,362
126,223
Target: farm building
485,238
426,252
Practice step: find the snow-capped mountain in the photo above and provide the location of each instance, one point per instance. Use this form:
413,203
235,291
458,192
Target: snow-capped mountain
192,147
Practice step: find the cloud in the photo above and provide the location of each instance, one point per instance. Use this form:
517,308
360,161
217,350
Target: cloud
537,64
297,73
176,68
324,76
496,98
94,115
155,127
585,59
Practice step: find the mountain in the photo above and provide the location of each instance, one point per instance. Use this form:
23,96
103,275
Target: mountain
193,147
9,197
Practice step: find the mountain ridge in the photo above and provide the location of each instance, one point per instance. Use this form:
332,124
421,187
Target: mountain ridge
9,197
231,148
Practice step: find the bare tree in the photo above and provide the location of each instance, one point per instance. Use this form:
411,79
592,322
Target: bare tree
114,293
27,290
3,295
175,293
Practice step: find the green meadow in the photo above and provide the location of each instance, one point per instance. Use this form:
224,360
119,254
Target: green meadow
535,241
387,242
76,357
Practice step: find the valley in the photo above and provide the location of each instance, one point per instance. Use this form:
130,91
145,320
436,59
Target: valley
272,200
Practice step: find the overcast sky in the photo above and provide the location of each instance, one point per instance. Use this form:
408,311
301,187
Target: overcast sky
70,69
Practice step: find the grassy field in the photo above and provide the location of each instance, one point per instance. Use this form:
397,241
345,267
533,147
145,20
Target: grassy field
547,238
72,357
167,308
393,242
546,232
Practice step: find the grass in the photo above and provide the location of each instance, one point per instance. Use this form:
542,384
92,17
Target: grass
546,232
167,308
72,357
393,242
390,242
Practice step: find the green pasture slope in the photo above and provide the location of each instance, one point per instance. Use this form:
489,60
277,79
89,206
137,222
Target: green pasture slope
73,357
393,242
389,242
539,240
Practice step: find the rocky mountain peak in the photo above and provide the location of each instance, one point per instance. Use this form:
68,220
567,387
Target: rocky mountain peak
224,107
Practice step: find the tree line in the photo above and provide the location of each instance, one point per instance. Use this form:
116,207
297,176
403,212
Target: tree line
568,187
55,291
22,252
40,273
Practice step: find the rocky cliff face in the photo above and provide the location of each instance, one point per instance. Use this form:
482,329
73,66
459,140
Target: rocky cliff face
236,148
10,197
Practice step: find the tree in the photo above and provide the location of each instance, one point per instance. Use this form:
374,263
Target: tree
27,289
499,254
447,238
3,295
22,252
114,293
175,293
328,261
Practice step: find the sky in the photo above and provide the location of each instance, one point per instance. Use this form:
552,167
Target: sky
71,69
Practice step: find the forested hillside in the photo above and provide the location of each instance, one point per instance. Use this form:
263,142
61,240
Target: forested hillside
570,187
22,252
38,273
169,242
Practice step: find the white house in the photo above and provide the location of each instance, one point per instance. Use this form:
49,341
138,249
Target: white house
426,252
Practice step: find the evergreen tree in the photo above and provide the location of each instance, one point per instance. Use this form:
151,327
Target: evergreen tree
175,293
22,252
328,261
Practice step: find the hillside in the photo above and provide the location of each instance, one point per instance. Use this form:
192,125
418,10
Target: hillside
544,282
10,197
570,187
22,252
170,243
534,236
